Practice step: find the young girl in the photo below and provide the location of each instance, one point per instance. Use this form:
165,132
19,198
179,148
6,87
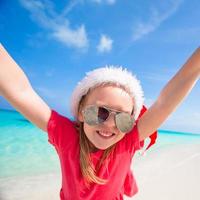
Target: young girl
111,124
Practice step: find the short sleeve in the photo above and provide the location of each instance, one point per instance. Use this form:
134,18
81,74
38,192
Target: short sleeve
132,138
136,139
61,131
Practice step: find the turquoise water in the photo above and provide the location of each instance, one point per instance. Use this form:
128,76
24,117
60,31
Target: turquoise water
24,149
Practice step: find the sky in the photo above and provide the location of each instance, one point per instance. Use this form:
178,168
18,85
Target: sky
57,42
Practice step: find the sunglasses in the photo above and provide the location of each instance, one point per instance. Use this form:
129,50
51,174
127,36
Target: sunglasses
95,115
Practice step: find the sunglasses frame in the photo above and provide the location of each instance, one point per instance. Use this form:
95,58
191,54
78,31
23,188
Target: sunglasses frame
93,120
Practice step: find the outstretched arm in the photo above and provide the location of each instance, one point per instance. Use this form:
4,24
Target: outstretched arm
16,89
171,96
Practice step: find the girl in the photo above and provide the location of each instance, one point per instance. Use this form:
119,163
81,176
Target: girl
111,123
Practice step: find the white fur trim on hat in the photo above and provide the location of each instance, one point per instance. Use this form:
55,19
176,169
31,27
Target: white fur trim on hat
108,74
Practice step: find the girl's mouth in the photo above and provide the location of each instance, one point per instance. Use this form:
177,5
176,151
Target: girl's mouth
105,134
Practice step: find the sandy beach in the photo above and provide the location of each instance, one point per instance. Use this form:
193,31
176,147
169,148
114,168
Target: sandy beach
167,173
170,173
44,187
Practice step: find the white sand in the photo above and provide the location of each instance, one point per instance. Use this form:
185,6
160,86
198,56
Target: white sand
44,187
170,173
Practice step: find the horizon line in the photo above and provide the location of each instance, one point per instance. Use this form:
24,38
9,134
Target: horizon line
161,131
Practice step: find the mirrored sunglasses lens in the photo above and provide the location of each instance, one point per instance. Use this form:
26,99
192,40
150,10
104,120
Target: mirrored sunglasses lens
124,122
103,114
90,115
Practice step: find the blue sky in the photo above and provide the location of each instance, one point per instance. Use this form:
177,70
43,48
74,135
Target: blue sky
56,42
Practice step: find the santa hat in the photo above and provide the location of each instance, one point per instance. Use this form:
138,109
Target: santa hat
109,74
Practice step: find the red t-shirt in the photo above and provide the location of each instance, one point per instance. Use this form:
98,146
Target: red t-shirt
63,135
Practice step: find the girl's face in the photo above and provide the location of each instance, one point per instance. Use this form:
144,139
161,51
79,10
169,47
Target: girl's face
106,134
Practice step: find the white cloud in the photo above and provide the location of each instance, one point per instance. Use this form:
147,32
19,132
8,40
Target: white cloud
157,16
57,25
105,44
70,6
77,38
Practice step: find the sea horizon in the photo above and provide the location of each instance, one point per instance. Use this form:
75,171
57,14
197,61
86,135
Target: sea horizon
161,131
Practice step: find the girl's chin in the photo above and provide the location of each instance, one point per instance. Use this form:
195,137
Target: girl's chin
98,147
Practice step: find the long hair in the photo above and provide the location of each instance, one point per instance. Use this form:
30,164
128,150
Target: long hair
88,170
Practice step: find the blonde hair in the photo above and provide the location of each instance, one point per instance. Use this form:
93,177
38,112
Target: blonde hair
88,170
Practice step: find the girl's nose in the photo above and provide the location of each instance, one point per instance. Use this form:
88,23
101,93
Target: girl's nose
110,121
